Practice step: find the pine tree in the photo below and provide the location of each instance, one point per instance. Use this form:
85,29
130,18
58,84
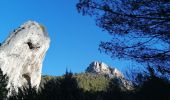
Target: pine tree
3,85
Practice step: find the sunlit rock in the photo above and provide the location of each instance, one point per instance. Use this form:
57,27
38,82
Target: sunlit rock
101,68
22,54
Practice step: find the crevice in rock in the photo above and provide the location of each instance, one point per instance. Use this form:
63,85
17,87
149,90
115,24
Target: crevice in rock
30,45
28,78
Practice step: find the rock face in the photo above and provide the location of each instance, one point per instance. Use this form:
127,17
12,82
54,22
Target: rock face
22,54
102,68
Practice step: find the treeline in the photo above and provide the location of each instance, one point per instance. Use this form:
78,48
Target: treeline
86,81
67,88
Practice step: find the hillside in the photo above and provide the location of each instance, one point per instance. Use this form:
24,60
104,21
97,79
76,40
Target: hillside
86,81
96,77
89,81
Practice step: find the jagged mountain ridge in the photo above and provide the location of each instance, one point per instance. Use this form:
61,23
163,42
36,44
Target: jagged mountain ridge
102,68
97,79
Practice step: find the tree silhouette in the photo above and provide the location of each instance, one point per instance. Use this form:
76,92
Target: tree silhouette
66,87
154,88
69,87
113,91
25,93
140,29
51,90
63,88
3,85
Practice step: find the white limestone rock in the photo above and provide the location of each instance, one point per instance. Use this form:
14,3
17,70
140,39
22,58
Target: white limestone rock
102,68
22,54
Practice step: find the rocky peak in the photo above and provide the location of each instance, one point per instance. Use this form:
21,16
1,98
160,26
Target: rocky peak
102,68
22,54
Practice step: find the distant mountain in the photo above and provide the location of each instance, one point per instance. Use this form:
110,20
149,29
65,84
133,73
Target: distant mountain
102,68
85,81
97,78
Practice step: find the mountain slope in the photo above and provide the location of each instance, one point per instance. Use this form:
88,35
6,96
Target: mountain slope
97,78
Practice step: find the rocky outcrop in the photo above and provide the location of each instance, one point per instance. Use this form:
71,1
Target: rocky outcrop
113,73
102,68
22,54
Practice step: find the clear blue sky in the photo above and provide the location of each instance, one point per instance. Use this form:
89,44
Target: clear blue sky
74,38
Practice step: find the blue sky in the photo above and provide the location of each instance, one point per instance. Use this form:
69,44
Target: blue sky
74,38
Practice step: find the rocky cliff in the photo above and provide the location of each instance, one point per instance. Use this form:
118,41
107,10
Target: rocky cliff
100,68
22,54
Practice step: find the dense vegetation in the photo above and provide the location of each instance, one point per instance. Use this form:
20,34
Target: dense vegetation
86,81
3,85
81,87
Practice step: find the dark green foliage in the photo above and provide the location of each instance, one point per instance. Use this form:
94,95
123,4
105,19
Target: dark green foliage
92,82
86,81
63,88
113,86
151,87
154,88
51,90
3,85
25,93
69,88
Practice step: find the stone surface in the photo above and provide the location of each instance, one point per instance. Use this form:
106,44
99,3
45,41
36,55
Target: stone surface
22,54
102,68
